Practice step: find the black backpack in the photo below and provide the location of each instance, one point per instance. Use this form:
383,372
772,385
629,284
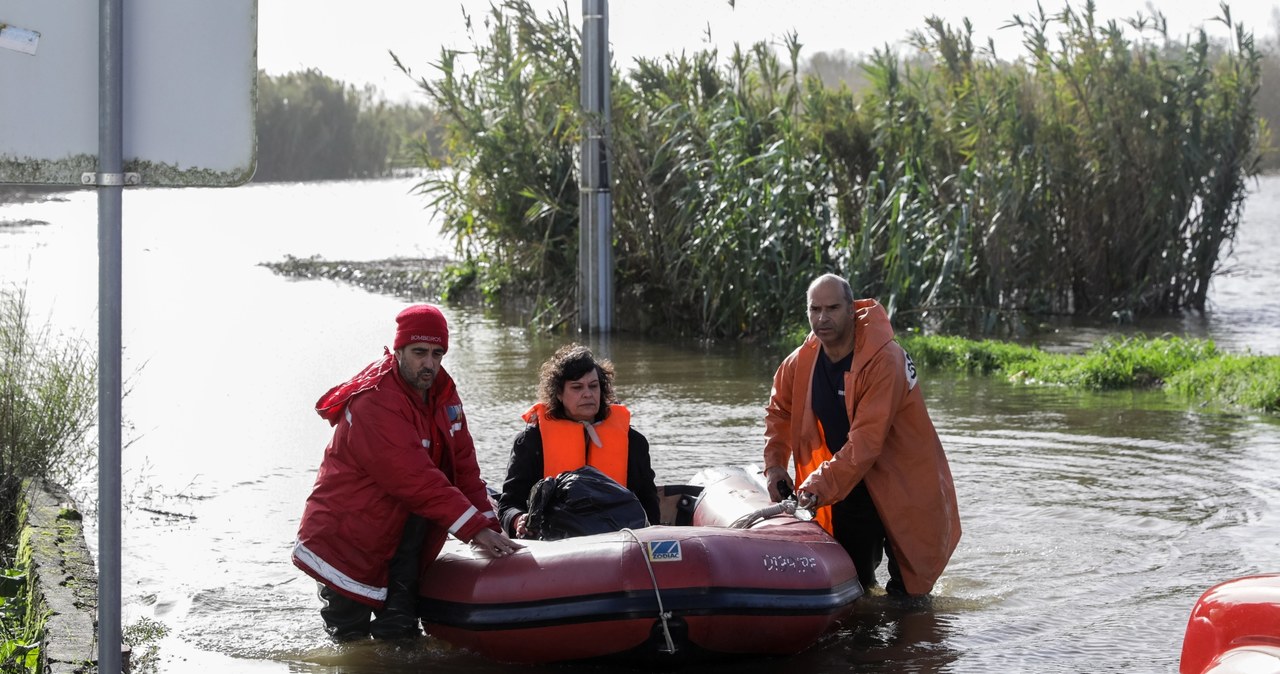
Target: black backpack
582,502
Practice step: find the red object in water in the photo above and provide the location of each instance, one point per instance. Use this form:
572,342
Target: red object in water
660,593
1235,629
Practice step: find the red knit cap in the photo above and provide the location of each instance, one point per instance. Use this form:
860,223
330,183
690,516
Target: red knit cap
421,323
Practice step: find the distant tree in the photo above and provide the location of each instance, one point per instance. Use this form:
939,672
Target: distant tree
1268,99
838,68
312,127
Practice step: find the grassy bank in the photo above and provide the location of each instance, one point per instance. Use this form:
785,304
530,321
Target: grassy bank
48,406
1192,369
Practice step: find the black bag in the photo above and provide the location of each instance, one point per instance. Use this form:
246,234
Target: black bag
582,502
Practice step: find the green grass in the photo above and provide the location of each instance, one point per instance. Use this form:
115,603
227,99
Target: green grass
1249,382
48,406
19,631
1192,369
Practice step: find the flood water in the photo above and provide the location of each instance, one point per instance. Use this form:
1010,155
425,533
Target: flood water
1091,522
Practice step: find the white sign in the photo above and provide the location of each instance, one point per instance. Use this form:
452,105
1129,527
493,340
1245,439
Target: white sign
190,72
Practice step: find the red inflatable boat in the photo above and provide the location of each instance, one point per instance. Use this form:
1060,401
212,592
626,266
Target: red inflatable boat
691,589
1235,629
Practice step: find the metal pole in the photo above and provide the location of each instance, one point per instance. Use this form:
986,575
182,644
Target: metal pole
587,165
595,235
110,194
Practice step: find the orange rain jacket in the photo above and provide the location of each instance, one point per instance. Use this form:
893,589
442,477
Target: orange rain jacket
892,445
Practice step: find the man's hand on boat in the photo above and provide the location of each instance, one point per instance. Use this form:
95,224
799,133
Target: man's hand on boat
782,490
779,483
495,544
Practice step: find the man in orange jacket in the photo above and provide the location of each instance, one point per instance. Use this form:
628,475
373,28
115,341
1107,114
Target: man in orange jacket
847,411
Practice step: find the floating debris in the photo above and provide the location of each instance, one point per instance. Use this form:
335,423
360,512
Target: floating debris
414,279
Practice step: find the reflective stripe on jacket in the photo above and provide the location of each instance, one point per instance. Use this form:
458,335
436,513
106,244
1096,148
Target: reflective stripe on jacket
892,446
565,444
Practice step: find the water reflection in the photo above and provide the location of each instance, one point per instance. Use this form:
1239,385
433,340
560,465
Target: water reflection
885,632
1091,521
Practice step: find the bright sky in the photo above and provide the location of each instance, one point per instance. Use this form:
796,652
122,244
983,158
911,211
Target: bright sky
352,46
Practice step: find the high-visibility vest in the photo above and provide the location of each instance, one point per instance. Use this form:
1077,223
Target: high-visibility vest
566,444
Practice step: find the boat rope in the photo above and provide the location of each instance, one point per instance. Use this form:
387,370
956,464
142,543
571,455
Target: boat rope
749,519
663,615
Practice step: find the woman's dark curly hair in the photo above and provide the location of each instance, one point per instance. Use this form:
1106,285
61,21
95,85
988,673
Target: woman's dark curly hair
572,362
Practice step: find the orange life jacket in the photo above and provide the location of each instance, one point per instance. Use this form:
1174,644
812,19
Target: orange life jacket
566,445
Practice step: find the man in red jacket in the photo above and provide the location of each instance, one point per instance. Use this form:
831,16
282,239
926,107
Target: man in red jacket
398,477
846,411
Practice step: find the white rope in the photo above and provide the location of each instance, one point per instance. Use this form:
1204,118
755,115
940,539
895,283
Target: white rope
662,613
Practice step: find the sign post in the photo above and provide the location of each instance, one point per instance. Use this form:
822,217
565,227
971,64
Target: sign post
595,209
172,106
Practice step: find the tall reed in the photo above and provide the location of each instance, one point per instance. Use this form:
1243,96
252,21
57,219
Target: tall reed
510,202
1100,174
719,207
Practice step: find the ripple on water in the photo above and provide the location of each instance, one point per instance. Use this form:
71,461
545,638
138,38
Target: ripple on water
1089,544
1092,521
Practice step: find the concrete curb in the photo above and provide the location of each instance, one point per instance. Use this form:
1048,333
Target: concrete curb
64,579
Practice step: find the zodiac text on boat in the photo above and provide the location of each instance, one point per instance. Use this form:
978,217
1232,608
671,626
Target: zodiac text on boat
787,563
663,551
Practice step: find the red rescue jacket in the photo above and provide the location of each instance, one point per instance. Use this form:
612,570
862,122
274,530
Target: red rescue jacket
391,454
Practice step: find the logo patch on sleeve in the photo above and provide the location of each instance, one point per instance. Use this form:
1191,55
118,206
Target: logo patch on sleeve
912,375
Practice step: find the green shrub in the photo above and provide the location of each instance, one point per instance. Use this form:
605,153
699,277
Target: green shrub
143,638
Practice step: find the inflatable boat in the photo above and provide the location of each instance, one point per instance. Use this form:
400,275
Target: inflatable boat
1235,629
726,575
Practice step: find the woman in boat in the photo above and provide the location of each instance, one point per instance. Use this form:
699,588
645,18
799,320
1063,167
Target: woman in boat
576,422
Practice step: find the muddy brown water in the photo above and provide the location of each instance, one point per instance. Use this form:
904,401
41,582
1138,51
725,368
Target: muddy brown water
1092,522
